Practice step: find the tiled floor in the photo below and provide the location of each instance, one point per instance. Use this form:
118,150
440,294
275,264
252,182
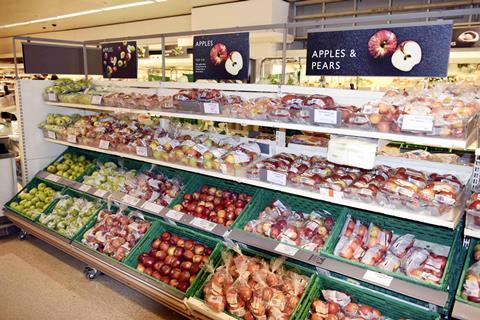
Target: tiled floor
40,282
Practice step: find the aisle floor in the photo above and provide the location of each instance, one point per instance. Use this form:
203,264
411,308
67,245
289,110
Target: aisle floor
39,282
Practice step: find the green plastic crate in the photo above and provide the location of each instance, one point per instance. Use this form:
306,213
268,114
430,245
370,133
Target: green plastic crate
468,263
114,208
75,194
154,232
88,154
288,265
305,205
198,181
390,307
33,183
438,235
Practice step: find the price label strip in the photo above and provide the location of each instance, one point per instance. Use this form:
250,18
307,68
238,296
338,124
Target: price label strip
53,177
132,201
96,99
411,122
276,178
286,249
72,138
142,151
100,193
331,193
326,116
211,107
203,224
104,144
152,207
52,135
52,97
84,188
174,215
378,278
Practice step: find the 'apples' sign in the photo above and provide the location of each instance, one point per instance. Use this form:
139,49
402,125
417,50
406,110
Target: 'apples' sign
390,50
221,56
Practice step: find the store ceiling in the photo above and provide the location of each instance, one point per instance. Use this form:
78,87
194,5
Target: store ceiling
16,11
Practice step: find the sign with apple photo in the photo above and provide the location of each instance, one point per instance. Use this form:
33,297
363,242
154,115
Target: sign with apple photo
119,59
389,50
221,56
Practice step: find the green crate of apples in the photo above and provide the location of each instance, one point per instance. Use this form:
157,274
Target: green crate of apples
72,164
34,199
70,213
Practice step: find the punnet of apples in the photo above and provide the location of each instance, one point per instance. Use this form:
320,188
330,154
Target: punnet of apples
337,305
116,233
308,231
251,287
174,260
371,245
471,285
428,193
473,209
218,205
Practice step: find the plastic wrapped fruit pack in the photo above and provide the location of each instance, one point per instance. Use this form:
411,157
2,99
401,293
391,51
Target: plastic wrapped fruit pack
337,305
69,215
115,233
174,260
471,285
254,288
308,231
473,209
214,204
136,100
374,246
109,177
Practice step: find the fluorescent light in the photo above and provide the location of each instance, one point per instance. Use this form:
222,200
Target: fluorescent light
82,13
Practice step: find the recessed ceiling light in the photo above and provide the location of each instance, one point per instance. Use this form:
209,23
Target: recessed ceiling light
82,13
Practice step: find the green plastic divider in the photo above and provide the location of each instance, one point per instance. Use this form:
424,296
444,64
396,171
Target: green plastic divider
91,155
425,232
113,208
288,265
297,203
468,263
198,181
75,194
33,184
155,231
389,306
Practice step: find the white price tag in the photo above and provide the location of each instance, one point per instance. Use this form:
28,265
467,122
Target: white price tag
84,188
378,278
174,215
211,107
330,193
52,96
142,151
96,99
104,144
153,207
72,138
277,177
100,193
325,116
413,122
128,199
285,249
53,177
203,224
51,135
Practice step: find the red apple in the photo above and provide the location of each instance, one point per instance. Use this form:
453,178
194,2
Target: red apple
382,43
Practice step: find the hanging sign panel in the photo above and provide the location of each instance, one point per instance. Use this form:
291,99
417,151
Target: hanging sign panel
221,56
119,59
389,50
466,37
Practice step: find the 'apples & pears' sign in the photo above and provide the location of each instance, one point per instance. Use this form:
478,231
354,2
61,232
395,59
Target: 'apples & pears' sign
389,50
221,56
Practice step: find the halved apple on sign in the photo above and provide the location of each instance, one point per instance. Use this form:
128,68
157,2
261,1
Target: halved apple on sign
234,63
407,55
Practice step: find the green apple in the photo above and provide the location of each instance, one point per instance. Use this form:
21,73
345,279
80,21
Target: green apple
51,169
41,186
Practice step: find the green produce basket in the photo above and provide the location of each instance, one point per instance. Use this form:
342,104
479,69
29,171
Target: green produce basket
198,181
305,205
32,184
74,194
425,232
88,154
300,269
390,307
468,263
114,208
154,232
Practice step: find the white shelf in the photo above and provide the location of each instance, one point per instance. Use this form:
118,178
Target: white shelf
415,139
241,178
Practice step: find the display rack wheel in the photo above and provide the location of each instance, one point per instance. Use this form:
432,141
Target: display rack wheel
22,235
91,273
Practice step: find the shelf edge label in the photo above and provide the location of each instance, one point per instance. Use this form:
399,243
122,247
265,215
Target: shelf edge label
378,278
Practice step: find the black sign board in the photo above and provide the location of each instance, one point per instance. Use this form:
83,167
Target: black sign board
120,60
466,37
221,56
389,50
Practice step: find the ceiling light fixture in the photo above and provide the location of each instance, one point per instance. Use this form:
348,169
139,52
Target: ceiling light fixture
82,13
